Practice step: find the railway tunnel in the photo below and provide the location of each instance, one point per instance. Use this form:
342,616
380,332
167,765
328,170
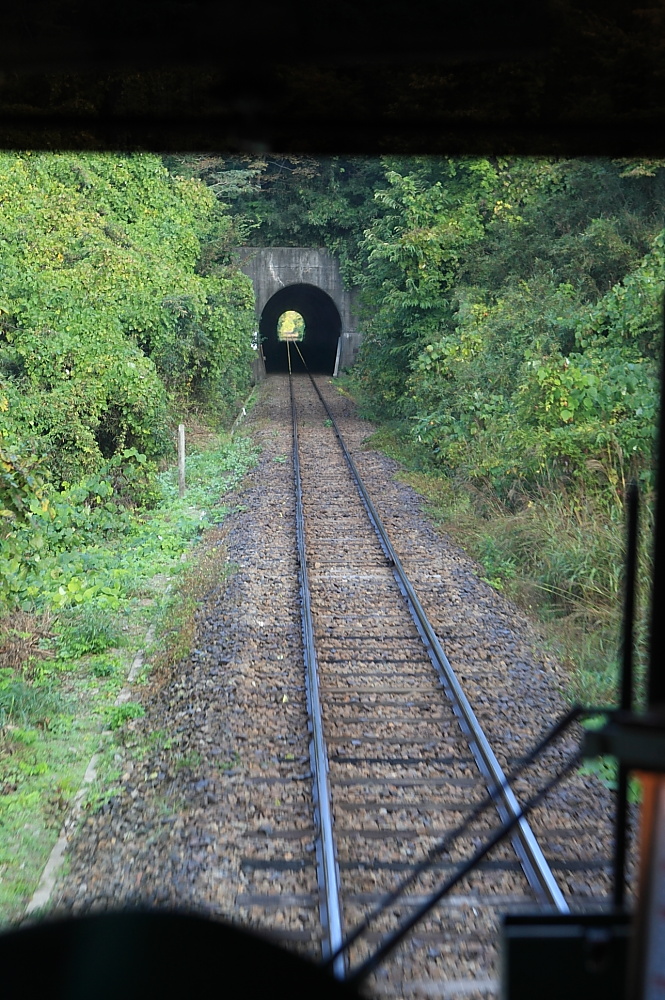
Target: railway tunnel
323,327
306,280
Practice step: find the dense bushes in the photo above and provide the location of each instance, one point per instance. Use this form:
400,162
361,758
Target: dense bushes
111,326
517,316
101,311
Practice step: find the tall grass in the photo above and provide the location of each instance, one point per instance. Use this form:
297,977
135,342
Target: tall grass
559,555
22,703
566,553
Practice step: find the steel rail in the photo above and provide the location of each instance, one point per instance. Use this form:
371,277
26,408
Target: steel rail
420,912
327,867
533,862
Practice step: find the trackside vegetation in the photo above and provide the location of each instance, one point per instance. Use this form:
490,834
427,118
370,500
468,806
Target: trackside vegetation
512,318
110,328
516,345
121,314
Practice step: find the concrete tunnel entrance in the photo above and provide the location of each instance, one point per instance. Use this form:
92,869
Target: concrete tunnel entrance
323,326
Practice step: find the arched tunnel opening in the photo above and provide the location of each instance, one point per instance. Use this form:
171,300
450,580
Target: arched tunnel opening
323,326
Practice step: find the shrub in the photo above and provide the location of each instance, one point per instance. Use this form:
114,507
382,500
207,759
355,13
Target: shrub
118,715
86,630
102,310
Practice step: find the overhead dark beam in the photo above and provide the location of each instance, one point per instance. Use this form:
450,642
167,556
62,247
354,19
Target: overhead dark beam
45,35
355,76
260,132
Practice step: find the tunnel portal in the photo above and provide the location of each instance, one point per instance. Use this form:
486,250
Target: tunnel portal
323,326
307,280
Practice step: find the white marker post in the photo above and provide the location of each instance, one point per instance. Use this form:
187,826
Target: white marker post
181,460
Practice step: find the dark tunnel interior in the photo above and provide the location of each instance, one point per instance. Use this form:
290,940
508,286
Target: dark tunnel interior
323,327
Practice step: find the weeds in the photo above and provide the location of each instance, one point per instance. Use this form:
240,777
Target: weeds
118,715
191,759
176,619
557,555
61,663
91,629
231,764
210,474
154,742
105,666
499,566
24,703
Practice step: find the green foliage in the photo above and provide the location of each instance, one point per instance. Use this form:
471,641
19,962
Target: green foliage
22,702
294,200
50,549
631,312
499,566
118,715
498,398
431,217
89,630
86,554
108,314
105,666
102,311
515,318
21,488
137,555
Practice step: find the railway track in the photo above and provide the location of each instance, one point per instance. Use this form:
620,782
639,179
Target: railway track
397,755
223,821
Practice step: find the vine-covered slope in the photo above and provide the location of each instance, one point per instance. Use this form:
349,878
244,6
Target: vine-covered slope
112,325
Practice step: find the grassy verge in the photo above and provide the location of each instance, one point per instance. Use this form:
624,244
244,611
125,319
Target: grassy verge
62,668
558,556
55,710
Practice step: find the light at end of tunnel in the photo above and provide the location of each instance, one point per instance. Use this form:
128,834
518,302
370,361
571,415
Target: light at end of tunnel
290,326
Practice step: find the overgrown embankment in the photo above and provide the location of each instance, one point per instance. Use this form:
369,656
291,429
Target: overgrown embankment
61,670
120,315
113,323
